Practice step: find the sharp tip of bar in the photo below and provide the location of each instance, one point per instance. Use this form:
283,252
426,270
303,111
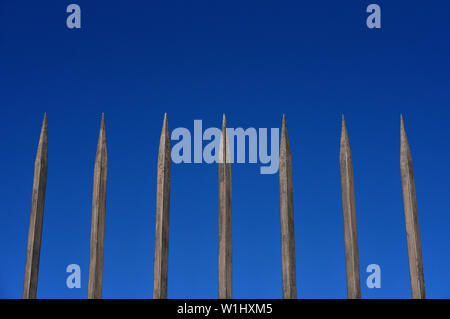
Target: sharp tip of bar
224,121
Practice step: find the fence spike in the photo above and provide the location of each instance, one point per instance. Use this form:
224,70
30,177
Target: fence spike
349,216
287,216
225,216
98,217
162,215
36,216
411,217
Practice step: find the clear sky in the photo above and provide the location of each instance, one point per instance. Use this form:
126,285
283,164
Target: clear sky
253,61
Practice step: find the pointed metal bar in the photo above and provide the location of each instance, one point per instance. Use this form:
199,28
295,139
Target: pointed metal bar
411,217
349,217
162,215
225,218
287,217
98,217
36,216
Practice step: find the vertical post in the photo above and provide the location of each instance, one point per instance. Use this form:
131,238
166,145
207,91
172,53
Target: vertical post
225,233
162,215
349,217
98,217
36,216
287,217
411,217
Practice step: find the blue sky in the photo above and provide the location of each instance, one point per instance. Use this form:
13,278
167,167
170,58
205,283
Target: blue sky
254,61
